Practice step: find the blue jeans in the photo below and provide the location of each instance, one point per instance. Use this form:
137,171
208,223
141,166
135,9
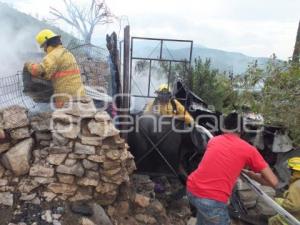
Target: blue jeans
209,212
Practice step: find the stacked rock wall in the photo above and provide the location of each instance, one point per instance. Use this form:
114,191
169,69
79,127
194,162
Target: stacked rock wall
73,154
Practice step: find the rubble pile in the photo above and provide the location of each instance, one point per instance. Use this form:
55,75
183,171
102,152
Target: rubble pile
148,205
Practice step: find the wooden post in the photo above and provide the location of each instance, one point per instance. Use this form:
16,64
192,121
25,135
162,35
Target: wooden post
296,54
126,76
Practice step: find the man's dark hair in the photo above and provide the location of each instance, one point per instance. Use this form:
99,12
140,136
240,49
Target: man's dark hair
233,122
55,41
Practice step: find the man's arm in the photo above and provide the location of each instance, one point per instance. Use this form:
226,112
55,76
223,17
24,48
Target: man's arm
183,112
45,70
265,177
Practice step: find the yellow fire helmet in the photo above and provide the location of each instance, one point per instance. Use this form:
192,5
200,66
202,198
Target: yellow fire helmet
294,163
163,88
45,35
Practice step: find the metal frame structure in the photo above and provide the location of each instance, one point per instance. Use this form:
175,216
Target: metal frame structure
155,146
161,59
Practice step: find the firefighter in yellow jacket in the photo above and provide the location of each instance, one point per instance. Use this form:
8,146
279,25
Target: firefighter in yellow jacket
164,104
59,66
291,198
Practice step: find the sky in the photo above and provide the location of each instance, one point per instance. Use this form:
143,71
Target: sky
252,27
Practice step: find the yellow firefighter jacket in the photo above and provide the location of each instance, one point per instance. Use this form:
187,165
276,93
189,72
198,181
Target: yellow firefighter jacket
290,201
60,66
168,109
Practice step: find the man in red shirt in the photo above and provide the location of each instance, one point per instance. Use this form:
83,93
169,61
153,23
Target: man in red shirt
209,187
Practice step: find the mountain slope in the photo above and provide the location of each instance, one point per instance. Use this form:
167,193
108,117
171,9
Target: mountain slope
222,60
227,61
18,38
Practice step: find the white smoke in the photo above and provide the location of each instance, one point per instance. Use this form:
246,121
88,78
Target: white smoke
15,45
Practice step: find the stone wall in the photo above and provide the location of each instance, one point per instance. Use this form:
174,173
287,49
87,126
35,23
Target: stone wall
73,154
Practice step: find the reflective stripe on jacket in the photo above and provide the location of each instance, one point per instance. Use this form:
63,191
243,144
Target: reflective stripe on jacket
60,66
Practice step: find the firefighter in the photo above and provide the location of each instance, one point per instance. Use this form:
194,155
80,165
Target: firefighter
165,104
291,198
59,66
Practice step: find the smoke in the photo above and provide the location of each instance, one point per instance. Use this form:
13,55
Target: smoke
17,43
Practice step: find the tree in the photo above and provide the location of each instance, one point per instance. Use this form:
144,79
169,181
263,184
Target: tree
278,98
84,19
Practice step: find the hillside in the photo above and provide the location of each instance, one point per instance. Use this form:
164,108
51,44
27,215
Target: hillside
221,60
226,61
18,38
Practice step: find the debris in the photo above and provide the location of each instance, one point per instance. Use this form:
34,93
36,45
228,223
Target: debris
82,208
6,198
18,157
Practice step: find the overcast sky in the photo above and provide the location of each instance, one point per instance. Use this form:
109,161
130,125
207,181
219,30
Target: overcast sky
252,27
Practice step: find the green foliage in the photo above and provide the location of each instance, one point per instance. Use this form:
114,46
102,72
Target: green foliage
277,97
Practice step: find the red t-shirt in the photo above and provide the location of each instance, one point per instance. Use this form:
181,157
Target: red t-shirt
226,155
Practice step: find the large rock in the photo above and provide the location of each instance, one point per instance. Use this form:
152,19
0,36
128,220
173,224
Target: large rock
99,215
41,122
70,130
142,201
56,159
62,117
86,221
87,164
41,171
102,129
4,146
14,117
113,154
58,149
104,188
81,109
94,140
6,198
27,185
76,169
66,179
90,179
145,219
20,133
44,180
59,140
18,157
102,116
43,136
66,189
97,158
82,194
84,149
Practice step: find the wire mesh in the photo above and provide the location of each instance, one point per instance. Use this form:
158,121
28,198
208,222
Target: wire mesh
83,51
94,64
11,92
